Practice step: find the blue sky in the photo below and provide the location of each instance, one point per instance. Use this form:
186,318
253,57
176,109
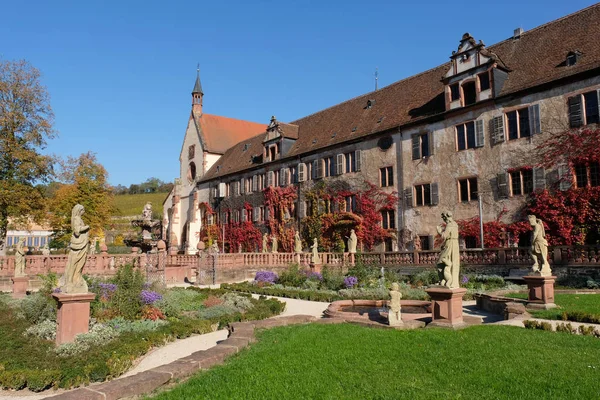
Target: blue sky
120,73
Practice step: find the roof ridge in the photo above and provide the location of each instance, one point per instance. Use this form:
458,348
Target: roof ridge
235,119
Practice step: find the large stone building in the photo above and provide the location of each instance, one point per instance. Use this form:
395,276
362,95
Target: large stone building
441,139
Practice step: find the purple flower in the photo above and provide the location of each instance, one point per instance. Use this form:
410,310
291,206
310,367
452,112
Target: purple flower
350,281
315,276
464,280
149,297
57,290
266,276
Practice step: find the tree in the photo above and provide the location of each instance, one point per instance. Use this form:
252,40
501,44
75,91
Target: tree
26,123
85,183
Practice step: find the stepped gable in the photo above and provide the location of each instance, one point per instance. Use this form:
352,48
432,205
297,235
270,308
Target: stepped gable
537,57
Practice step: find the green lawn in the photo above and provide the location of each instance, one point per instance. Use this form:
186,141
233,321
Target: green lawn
133,204
586,303
353,362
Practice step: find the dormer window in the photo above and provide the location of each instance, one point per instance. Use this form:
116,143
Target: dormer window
272,152
484,81
455,92
469,93
572,58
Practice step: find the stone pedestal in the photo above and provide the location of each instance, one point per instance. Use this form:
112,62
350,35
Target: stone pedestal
73,316
446,307
20,285
541,291
315,267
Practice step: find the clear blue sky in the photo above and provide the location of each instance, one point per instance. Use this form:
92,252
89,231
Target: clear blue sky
120,73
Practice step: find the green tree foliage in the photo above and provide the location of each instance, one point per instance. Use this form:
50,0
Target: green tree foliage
26,120
84,182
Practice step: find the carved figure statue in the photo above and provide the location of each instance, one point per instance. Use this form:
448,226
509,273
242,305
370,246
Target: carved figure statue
448,264
297,243
539,247
215,247
72,281
147,212
273,244
20,258
46,250
395,314
352,242
315,252
265,242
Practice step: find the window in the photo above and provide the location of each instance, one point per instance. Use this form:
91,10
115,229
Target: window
351,203
470,242
29,241
9,241
422,146
426,242
36,242
191,172
388,219
43,241
272,152
294,174
521,182
352,161
454,92
329,166
467,189
518,124
191,151
592,115
469,92
465,136
484,81
426,194
386,176
587,175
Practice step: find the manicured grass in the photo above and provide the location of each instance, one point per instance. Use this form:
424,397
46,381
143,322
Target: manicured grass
133,204
570,303
353,362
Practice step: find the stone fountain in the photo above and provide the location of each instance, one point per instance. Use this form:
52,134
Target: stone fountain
151,229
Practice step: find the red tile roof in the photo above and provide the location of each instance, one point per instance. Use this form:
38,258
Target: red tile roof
221,133
536,58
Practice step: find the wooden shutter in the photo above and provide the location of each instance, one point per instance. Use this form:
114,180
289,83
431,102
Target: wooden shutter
434,194
430,141
267,213
497,129
575,112
282,176
430,242
222,189
358,161
339,167
539,179
565,179
319,173
255,211
535,125
270,178
315,169
416,147
408,198
301,209
479,133
301,172
502,181
242,186
255,183
244,218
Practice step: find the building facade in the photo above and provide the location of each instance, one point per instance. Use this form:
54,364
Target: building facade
450,138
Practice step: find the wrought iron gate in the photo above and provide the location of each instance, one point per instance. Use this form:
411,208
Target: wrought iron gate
155,267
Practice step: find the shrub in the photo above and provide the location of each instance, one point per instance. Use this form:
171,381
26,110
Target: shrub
49,283
576,282
126,300
177,300
42,380
350,281
363,273
292,276
152,313
98,335
310,285
530,324
580,316
44,330
425,278
565,328
216,311
212,301
122,325
236,301
15,380
332,280
366,293
38,307
266,276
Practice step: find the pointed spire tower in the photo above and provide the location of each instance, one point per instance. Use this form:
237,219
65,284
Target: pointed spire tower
197,93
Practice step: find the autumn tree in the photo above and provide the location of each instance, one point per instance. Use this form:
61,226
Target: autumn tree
84,181
26,123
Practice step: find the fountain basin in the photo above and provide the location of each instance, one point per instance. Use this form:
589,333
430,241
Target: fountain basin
376,310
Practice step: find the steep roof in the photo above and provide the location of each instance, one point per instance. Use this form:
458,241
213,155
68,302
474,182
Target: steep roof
221,133
535,58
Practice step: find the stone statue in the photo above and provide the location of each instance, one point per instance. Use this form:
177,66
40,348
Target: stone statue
394,314
215,247
352,242
265,242
45,250
448,264
273,244
315,252
72,281
539,247
20,258
297,243
147,212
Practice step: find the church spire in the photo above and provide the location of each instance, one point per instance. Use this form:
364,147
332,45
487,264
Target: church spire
197,94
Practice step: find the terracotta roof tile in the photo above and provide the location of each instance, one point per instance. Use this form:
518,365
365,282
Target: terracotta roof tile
221,133
537,57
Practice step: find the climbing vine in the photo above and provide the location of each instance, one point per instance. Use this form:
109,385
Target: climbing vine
280,203
495,233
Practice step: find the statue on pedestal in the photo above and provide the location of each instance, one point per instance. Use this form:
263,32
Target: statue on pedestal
297,243
273,244
395,314
265,241
72,281
215,247
539,247
352,242
20,258
448,264
315,252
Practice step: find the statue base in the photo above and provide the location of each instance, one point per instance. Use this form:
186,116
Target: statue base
394,320
20,286
541,291
446,307
315,267
73,317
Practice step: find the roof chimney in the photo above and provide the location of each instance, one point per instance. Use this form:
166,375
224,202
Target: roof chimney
518,32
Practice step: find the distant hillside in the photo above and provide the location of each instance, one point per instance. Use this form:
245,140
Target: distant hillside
133,204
